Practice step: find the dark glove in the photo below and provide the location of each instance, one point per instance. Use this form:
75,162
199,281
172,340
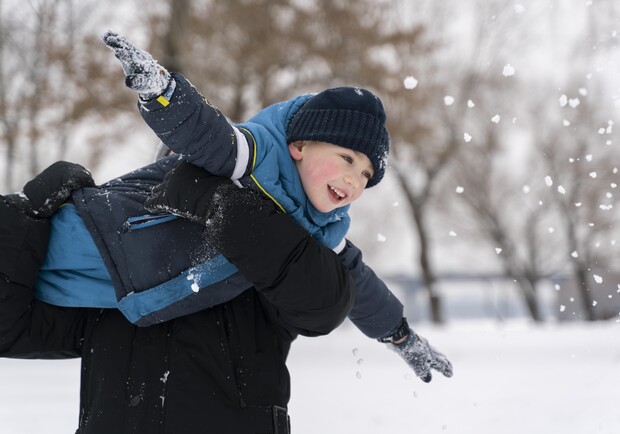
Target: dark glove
142,73
418,354
187,191
44,194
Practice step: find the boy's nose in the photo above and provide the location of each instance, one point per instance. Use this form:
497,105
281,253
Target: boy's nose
352,181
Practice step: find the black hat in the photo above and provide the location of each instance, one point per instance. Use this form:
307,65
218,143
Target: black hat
350,117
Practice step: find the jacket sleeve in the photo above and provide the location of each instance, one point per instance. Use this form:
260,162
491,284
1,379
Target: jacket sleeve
376,312
30,328
306,286
189,125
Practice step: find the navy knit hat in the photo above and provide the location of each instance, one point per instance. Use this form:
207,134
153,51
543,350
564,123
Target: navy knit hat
350,117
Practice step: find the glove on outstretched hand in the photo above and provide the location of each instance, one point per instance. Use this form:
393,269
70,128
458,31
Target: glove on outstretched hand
422,357
142,73
50,189
187,191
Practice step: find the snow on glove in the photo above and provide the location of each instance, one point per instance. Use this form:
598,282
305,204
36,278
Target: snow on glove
418,354
142,72
47,191
187,191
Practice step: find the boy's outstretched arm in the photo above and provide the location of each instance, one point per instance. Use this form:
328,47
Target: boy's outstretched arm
379,315
180,116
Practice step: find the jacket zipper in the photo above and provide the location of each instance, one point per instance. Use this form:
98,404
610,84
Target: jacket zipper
233,354
86,361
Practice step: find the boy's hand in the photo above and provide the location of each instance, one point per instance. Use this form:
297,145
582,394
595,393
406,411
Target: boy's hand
142,73
422,357
418,353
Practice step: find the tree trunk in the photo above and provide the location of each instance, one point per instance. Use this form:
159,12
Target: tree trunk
581,275
428,274
174,39
528,292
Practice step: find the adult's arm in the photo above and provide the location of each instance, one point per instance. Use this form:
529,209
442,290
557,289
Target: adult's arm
30,328
307,285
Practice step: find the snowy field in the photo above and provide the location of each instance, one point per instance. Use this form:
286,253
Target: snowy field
510,378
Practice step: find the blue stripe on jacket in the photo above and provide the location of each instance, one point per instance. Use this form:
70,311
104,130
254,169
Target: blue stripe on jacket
73,273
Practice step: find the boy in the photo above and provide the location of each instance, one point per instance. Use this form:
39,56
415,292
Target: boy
312,156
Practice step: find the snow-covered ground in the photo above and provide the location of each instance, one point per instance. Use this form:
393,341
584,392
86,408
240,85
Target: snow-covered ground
510,378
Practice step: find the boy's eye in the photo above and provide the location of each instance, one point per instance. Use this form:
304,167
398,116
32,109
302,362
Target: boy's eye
367,175
347,158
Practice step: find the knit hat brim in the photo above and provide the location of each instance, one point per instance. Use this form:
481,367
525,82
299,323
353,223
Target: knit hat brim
351,129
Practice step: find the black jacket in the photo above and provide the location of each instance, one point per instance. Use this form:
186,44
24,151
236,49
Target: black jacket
220,370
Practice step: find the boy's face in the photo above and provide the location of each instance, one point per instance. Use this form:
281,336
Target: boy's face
332,176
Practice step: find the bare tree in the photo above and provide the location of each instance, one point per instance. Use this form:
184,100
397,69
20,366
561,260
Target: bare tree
566,147
53,77
578,156
469,148
428,140
586,172
509,219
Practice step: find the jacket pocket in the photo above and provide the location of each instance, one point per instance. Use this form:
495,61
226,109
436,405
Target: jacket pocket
146,221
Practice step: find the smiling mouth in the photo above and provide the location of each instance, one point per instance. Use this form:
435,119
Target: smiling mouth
337,195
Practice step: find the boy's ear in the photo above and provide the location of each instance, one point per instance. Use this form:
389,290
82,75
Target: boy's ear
295,149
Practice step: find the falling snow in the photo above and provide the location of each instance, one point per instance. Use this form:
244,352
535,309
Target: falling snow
548,181
508,71
410,82
563,100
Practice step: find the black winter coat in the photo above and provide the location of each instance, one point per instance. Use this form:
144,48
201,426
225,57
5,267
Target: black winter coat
220,370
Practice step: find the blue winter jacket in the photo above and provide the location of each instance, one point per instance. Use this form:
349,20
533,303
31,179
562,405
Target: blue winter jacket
159,265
